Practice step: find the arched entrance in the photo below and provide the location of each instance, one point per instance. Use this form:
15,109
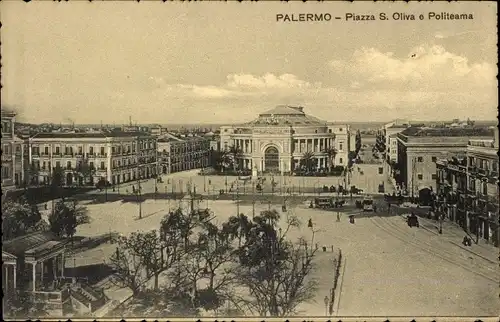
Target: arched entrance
271,159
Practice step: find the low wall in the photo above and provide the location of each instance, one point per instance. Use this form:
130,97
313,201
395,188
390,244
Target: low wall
336,274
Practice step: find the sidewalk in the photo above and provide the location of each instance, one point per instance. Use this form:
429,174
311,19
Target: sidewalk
455,234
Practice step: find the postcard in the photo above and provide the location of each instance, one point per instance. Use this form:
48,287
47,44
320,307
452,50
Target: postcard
250,160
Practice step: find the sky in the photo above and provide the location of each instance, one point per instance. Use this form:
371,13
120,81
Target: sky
185,62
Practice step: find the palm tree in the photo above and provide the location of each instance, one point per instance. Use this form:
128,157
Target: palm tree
236,153
308,160
332,153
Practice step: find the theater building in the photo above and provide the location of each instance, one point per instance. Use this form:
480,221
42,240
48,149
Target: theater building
278,139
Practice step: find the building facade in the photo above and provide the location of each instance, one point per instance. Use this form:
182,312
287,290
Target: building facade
278,139
85,158
177,154
467,189
13,154
420,148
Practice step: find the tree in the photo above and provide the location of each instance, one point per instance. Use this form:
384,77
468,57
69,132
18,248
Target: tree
235,153
273,269
358,141
129,267
308,161
85,171
332,153
22,305
237,227
33,173
57,178
19,218
222,160
66,217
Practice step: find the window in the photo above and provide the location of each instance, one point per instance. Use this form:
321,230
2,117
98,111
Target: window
58,150
46,150
434,159
341,161
340,130
102,151
341,146
434,176
68,165
420,176
330,131
58,164
420,159
91,150
80,150
44,165
380,170
102,165
91,165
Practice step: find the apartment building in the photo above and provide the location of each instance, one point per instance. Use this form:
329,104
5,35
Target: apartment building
342,143
177,153
467,189
419,148
85,158
14,158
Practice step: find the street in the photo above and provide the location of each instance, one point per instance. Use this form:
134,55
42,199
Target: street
389,267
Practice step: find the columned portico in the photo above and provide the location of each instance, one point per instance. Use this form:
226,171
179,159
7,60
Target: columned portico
289,131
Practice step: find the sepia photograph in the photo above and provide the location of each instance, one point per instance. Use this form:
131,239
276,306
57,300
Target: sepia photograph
249,160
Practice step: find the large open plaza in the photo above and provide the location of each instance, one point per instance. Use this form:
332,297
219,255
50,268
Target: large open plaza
385,261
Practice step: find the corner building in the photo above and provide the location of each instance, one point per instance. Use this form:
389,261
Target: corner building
278,139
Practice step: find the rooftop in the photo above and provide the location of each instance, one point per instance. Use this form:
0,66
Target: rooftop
447,132
37,240
8,257
285,115
65,135
284,110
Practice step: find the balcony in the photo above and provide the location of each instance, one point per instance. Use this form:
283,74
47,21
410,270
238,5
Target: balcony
482,172
482,197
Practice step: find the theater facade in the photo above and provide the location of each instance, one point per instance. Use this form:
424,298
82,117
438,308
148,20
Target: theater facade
278,139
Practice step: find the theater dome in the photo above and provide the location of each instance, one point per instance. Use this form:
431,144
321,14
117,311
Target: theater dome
283,115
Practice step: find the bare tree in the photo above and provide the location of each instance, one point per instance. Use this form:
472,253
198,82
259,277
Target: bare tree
130,268
275,270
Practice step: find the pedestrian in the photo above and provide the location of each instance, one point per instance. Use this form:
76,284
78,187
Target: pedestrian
374,208
310,224
338,216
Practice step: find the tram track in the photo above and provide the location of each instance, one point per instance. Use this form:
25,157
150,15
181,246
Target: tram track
397,232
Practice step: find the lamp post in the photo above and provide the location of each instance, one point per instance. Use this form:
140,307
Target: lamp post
139,196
